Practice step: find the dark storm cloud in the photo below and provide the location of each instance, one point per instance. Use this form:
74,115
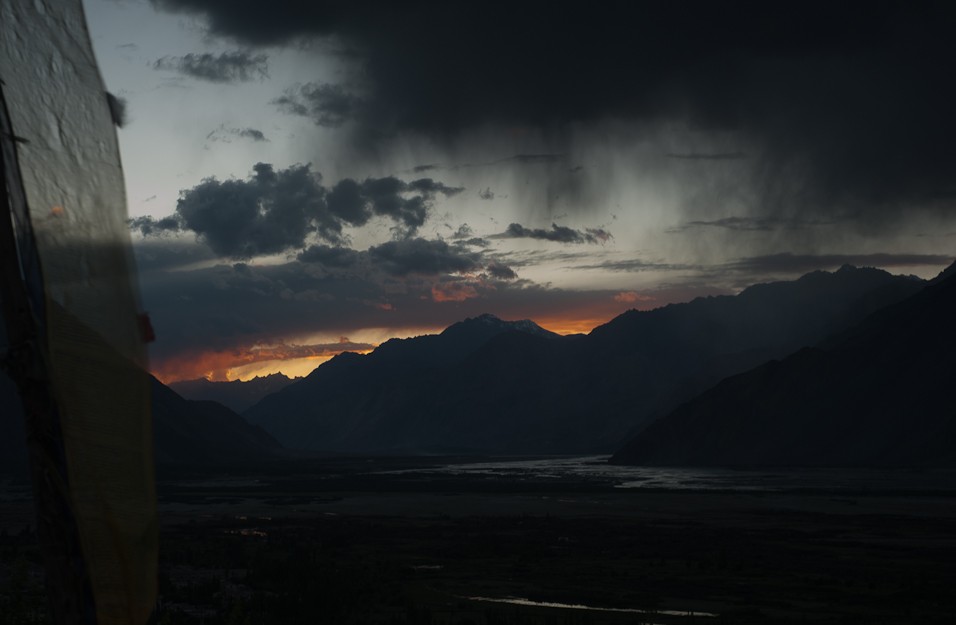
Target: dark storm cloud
356,203
224,134
501,272
853,105
421,256
530,258
327,105
632,265
275,211
347,202
801,263
252,133
517,159
705,156
148,226
474,241
385,197
561,234
535,158
464,232
429,188
331,257
746,224
268,213
466,236
168,253
238,66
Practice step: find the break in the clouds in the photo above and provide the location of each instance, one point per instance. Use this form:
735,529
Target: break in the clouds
325,104
212,363
838,106
235,66
561,234
275,211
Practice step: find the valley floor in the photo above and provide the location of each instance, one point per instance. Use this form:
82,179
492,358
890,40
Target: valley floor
386,541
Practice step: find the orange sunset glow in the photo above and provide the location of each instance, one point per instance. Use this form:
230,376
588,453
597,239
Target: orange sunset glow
300,359
248,362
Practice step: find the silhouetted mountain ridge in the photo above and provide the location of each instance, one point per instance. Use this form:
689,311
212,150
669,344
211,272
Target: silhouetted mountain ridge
236,395
879,393
510,387
455,342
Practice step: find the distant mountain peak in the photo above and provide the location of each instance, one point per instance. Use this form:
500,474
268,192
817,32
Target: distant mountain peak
488,322
235,394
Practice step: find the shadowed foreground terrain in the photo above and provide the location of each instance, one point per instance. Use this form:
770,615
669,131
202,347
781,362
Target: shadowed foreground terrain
385,541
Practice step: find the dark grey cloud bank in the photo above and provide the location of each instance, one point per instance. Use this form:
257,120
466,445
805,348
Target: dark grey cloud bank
237,66
707,156
325,104
854,103
560,234
275,211
226,307
752,224
414,256
225,134
328,288
753,268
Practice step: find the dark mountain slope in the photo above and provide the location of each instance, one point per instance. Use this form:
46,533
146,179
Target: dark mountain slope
186,433
381,401
203,433
881,393
492,386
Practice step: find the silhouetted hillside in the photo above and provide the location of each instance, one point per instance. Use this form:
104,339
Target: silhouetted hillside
493,386
383,400
880,393
204,432
236,395
193,433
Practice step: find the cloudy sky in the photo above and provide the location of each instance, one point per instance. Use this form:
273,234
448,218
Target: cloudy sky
306,178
